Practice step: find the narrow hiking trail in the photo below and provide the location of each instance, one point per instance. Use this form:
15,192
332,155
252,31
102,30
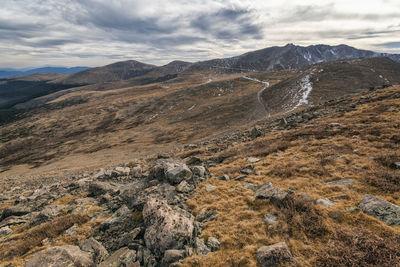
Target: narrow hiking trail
266,85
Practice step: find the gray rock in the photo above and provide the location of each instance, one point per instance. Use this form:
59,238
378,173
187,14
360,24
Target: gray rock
206,215
213,243
270,219
268,191
177,173
72,230
199,171
61,256
248,170
253,160
210,187
136,171
342,182
396,165
250,186
380,209
122,171
224,177
201,248
166,228
101,188
94,247
15,211
184,187
117,218
272,255
135,196
49,212
121,258
172,255
325,202
4,231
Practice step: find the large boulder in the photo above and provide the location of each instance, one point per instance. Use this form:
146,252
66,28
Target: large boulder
61,256
268,191
269,256
380,209
166,228
136,194
173,171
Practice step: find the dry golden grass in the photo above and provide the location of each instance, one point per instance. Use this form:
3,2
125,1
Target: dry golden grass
362,148
21,243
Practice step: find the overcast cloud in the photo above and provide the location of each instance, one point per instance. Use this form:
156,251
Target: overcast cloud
98,32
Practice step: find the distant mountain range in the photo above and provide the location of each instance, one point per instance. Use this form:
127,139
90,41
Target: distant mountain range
4,73
268,59
287,57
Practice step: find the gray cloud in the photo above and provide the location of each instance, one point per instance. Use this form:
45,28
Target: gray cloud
94,32
389,45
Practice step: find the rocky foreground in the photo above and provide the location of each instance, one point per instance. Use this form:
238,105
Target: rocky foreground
319,187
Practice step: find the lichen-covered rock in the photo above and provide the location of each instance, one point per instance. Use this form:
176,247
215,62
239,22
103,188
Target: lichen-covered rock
166,228
118,217
136,194
213,243
94,247
61,256
380,209
121,258
272,255
269,191
172,255
173,171
4,231
201,248
101,188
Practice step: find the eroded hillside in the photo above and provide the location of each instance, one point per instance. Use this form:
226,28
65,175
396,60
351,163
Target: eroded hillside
320,185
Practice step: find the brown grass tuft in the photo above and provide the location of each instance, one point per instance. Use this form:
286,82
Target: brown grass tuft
25,241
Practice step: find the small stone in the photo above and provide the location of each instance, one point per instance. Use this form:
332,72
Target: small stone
270,219
201,248
396,165
210,187
224,178
253,160
213,243
342,182
136,171
250,186
325,202
184,187
248,170
122,257
4,231
272,255
198,170
72,230
172,255
123,170
268,191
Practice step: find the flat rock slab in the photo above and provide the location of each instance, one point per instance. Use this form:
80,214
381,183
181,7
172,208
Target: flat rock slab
380,209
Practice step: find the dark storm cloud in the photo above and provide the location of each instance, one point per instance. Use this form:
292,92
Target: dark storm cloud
389,45
228,24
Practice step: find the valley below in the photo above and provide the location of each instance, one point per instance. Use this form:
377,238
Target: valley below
229,162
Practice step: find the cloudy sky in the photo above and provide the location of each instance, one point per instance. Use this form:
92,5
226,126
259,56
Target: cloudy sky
97,32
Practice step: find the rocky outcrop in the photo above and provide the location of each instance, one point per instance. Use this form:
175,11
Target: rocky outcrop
61,256
380,209
166,228
272,255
